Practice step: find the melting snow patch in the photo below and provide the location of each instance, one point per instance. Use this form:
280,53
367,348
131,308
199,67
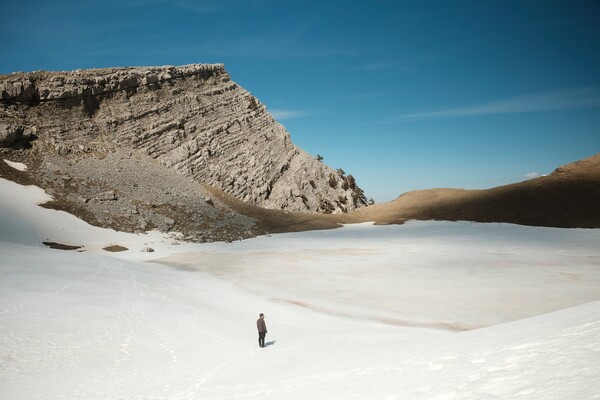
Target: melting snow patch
16,165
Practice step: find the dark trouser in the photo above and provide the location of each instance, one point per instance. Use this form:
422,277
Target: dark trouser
261,339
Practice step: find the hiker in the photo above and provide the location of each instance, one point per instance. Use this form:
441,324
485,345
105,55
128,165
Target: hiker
262,329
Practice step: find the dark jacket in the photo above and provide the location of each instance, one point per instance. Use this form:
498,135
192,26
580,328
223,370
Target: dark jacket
260,324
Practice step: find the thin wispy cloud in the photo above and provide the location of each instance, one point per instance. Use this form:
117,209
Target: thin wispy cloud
281,115
363,95
274,42
384,65
531,175
194,6
133,3
208,6
569,99
411,59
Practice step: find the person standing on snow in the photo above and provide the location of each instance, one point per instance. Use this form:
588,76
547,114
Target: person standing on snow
262,330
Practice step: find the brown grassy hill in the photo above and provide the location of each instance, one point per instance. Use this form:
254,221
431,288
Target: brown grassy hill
567,198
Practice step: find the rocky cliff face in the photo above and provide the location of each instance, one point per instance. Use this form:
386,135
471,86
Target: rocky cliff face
193,119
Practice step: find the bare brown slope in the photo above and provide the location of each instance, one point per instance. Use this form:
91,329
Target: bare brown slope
567,198
276,221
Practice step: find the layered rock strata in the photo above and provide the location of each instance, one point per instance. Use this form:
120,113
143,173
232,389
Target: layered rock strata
193,119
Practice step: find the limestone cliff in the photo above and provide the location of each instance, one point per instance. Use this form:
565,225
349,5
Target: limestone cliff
193,119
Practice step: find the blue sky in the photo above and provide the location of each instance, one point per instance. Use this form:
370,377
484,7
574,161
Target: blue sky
403,95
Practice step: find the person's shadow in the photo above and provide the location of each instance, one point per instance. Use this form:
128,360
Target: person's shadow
271,343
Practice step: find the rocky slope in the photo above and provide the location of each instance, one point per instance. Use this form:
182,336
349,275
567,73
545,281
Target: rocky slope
192,119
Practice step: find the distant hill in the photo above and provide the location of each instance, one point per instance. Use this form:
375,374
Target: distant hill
567,198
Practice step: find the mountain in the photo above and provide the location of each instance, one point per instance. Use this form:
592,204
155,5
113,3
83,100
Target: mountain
192,119
187,150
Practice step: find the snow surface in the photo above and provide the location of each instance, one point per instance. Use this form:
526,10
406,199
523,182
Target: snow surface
16,165
362,312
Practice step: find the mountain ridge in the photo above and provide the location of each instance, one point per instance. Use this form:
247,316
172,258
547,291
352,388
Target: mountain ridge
567,198
193,119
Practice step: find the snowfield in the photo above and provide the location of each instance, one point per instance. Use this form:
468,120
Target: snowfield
426,310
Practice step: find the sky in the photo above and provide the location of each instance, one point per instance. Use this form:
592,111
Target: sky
403,95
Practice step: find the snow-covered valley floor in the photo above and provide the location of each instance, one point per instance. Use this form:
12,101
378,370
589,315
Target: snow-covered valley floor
426,310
